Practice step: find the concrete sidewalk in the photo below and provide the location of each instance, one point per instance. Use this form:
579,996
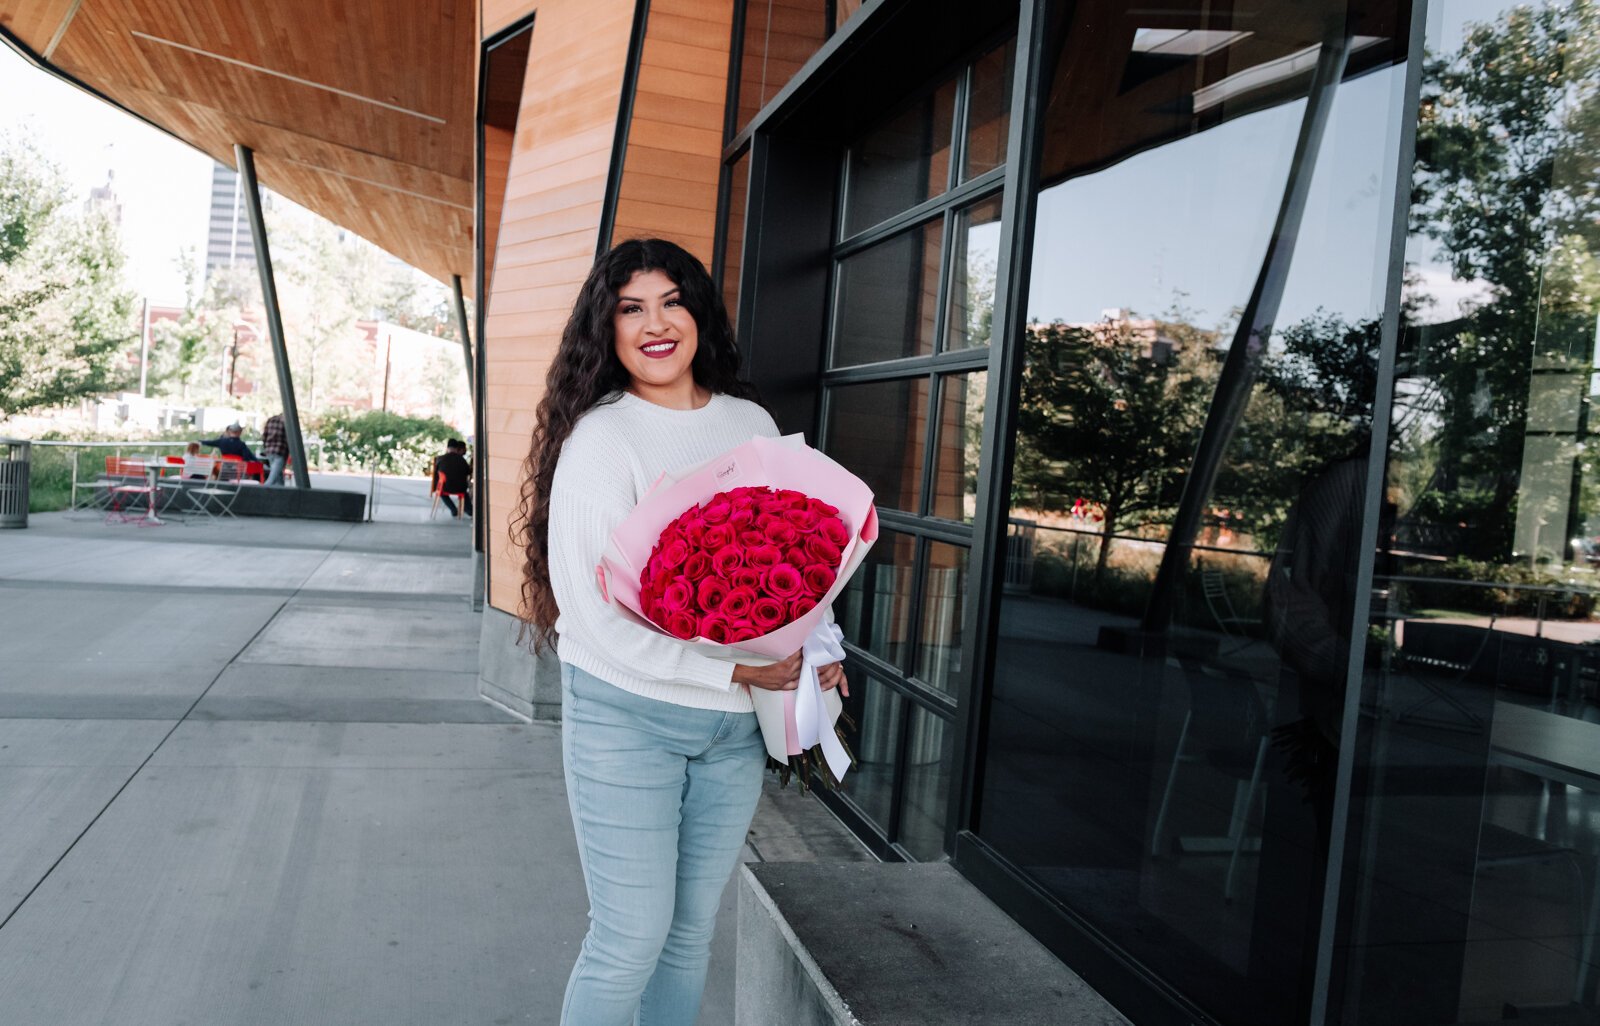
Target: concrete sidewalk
245,778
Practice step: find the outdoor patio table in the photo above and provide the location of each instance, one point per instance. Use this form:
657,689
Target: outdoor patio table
153,469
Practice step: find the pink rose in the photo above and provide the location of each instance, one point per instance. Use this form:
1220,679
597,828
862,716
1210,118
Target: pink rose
677,595
680,625
698,565
711,592
834,530
726,560
784,581
781,532
762,556
803,520
736,605
818,579
673,553
822,550
766,613
714,627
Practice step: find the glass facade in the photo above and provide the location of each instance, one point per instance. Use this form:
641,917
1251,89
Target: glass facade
1258,647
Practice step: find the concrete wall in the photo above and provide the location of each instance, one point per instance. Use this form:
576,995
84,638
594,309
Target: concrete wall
511,676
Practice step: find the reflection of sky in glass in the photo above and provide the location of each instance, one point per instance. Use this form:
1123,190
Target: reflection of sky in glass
1194,217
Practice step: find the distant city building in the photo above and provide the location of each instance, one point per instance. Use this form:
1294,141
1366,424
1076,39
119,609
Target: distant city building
103,199
228,227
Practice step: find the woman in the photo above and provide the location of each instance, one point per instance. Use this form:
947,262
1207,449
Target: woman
662,755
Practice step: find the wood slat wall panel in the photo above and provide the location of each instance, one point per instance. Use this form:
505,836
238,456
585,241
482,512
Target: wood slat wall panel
496,170
497,14
669,182
554,193
35,24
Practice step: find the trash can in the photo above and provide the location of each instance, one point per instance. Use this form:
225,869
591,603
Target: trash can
14,482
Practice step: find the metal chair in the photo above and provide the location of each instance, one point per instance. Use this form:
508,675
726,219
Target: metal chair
126,480
1237,629
215,498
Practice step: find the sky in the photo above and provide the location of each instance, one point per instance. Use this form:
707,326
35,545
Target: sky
164,185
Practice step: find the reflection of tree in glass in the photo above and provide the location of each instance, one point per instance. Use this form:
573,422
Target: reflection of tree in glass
1505,185
1109,413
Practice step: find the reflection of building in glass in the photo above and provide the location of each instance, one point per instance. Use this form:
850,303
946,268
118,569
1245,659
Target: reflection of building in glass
1240,639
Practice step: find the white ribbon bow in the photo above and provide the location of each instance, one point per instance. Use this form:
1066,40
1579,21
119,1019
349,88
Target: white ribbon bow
812,724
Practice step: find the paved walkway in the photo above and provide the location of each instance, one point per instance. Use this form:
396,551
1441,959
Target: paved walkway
245,779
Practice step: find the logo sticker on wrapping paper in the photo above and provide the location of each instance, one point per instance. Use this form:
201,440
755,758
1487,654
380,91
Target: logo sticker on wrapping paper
727,472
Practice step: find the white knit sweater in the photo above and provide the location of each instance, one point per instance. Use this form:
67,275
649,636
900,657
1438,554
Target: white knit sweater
614,454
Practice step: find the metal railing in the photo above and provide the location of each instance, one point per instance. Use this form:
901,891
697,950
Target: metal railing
116,449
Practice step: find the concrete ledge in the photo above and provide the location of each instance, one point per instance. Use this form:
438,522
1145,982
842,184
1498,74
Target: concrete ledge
305,504
894,944
512,677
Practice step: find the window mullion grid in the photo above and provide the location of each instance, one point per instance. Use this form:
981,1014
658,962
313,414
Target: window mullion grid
958,129
927,210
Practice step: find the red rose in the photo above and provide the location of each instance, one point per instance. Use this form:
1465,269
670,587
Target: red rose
714,627
741,631
736,604
677,595
716,536
792,498
673,553
717,509
711,592
695,532
748,577
833,529
784,581
800,607
818,579
781,532
698,565
822,507
762,556
773,506
822,550
766,613
751,538
796,554
726,560
741,518
803,520
680,625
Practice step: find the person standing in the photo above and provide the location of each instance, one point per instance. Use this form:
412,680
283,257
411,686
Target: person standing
275,447
661,752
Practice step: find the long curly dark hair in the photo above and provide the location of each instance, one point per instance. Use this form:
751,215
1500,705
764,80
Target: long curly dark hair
586,373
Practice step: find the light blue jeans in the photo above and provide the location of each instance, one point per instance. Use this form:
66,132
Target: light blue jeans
275,464
662,797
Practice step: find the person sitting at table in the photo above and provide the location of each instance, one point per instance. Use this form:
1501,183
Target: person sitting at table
230,444
457,471
191,452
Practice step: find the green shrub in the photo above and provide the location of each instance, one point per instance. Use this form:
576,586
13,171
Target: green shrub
1513,599
386,442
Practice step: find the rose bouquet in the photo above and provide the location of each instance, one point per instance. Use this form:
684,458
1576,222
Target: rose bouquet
742,557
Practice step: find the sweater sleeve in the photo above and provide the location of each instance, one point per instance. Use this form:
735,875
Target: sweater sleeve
591,494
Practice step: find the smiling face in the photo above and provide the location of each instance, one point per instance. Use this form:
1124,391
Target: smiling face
656,336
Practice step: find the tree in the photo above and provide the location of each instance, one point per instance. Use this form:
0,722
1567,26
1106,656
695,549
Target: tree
65,315
1110,415
1505,187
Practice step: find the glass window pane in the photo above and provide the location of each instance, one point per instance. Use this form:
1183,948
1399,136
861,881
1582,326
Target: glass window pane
733,246
930,746
944,589
989,111
902,163
779,37
874,609
1485,613
876,708
888,297
1116,770
975,236
960,443
877,431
